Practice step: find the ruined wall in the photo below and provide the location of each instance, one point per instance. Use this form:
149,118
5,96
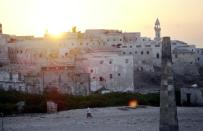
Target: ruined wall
65,79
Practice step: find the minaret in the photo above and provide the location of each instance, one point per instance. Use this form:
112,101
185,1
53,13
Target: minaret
1,29
157,30
168,110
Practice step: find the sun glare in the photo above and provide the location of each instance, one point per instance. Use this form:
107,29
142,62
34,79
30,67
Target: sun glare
56,17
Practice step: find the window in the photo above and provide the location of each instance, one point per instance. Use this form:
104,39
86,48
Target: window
120,39
131,46
126,60
110,76
93,77
141,68
101,78
157,55
10,76
198,59
91,71
124,53
119,74
20,88
101,62
176,56
10,87
130,52
135,52
148,52
19,76
141,52
110,62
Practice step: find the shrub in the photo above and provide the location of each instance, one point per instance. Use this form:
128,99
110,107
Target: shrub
37,103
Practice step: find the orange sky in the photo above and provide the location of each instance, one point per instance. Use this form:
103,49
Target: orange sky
180,19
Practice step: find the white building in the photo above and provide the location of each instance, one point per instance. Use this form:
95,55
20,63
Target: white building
29,54
108,70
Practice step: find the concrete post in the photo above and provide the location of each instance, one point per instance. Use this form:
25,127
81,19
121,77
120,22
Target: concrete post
168,110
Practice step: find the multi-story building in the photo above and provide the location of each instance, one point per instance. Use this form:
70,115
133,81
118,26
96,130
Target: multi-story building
30,54
108,70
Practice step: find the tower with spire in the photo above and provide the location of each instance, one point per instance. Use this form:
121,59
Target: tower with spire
157,29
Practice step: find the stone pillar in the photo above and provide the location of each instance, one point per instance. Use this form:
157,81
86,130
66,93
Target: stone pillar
168,110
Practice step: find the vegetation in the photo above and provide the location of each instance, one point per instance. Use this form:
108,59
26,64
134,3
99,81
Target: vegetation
36,103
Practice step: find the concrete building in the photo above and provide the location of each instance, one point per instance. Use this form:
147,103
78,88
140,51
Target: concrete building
108,70
184,60
27,54
192,96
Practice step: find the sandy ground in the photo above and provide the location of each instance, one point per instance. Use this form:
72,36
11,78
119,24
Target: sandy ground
104,119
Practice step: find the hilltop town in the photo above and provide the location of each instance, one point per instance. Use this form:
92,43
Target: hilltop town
97,60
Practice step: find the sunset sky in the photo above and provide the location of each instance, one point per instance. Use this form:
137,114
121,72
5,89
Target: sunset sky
180,19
